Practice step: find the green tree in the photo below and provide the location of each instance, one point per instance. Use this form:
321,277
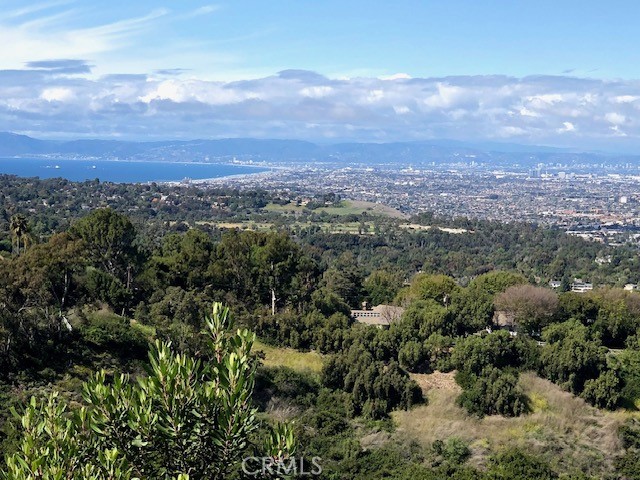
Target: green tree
382,286
604,391
493,283
438,288
184,261
492,392
109,241
19,230
345,279
571,356
472,307
498,349
414,357
48,274
423,318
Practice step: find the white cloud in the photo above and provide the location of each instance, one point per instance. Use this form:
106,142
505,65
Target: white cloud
567,127
396,76
55,36
625,98
617,132
446,96
401,109
525,112
204,10
61,96
615,118
58,94
375,95
316,91
168,90
511,131
544,101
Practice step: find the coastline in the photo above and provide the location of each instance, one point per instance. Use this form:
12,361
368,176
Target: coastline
177,171
237,176
121,160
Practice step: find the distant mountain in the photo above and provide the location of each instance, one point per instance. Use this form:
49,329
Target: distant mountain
244,149
12,145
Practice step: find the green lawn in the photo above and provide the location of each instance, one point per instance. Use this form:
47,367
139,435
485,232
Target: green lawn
288,357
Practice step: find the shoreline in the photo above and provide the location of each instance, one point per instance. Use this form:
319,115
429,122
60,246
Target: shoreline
236,176
119,160
73,164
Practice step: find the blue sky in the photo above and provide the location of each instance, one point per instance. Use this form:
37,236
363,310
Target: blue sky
562,72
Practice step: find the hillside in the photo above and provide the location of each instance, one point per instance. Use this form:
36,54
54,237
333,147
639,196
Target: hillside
570,434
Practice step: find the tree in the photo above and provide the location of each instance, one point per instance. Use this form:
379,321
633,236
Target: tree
47,274
20,230
109,241
492,392
514,464
618,315
493,283
414,357
498,349
438,288
604,391
571,355
184,261
472,307
423,318
531,307
382,286
345,279
189,418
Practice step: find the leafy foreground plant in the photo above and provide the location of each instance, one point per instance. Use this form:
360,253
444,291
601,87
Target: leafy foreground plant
187,419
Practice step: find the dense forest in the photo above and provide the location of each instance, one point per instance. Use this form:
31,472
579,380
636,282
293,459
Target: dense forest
118,361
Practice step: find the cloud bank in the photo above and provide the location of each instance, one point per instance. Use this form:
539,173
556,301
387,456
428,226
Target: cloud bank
61,98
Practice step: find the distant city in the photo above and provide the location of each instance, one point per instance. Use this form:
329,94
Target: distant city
592,195
603,207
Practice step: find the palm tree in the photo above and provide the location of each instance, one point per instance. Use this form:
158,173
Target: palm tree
20,230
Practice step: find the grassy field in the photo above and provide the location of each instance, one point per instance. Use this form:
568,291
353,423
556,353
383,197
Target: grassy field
415,226
347,207
255,226
572,435
342,227
288,357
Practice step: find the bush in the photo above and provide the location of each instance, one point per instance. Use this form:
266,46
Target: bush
514,464
604,391
365,378
414,357
185,417
453,452
493,392
498,349
111,332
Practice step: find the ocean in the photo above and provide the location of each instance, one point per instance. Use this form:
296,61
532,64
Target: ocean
120,171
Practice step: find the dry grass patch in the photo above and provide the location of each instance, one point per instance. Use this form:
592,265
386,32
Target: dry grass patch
572,435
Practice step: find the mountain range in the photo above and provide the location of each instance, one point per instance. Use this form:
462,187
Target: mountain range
291,151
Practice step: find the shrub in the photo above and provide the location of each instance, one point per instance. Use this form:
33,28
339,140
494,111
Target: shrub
604,391
493,392
514,464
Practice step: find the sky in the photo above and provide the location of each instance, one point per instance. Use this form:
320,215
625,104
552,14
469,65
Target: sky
563,73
